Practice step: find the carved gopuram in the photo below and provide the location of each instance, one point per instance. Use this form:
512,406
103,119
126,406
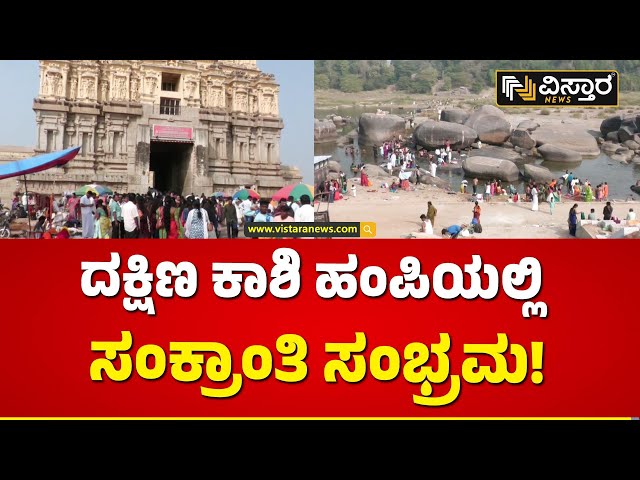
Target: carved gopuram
188,126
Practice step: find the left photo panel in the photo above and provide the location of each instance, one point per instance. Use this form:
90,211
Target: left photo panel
154,149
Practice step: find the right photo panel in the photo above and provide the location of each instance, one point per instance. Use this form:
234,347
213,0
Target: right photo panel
472,149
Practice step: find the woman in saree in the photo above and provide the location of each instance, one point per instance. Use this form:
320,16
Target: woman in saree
177,214
63,234
72,207
576,191
102,221
588,193
166,220
364,178
143,219
154,206
343,183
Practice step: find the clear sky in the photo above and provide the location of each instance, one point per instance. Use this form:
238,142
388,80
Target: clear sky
19,86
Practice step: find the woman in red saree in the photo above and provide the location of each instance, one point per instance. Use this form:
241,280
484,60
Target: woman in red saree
166,220
63,234
364,178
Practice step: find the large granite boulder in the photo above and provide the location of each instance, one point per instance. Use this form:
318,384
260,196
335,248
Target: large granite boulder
334,166
625,152
455,115
490,124
611,124
488,167
496,152
374,129
374,171
613,137
625,133
324,131
554,153
521,138
629,121
418,120
609,148
431,134
528,125
568,136
537,173
427,179
618,157
338,120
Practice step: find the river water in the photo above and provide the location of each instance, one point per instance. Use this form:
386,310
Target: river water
619,176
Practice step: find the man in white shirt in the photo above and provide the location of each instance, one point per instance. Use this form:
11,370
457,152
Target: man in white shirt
631,215
294,205
305,212
87,207
130,218
245,208
239,211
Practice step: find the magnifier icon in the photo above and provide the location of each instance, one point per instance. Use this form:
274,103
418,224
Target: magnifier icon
367,229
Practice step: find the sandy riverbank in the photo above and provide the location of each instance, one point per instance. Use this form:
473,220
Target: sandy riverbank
398,214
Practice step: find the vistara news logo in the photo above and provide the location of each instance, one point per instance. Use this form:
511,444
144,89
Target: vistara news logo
557,88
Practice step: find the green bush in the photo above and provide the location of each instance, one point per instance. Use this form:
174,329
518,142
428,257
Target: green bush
545,111
321,81
351,84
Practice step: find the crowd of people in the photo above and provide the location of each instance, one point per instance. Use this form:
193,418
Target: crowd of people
155,215
335,189
607,214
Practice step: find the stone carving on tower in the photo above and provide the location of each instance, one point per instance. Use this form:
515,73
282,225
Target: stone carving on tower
104,90
53,80
73,89
190,87
120,88
150,84
135,89
88,87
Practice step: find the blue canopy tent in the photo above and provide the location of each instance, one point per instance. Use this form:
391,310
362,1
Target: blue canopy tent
37,164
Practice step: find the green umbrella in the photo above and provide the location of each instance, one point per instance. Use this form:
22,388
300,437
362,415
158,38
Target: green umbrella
295,190
99,189
246,193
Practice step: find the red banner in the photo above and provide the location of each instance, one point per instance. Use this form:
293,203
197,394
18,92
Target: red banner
172,133
498,328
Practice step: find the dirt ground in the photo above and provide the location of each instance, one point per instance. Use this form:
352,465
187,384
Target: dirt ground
398,214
